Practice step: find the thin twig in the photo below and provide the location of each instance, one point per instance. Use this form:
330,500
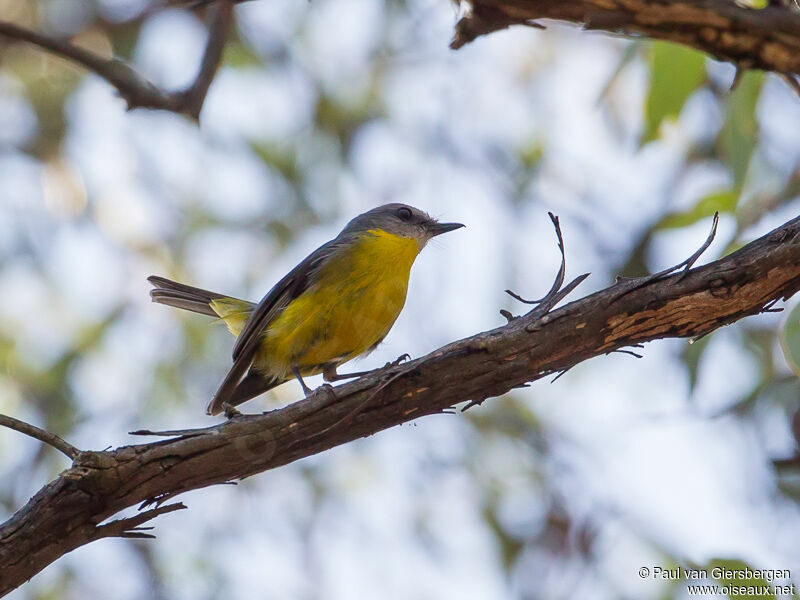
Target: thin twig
621,351
40,434
769,307
549,303
507,314
516,296
473,403
561,373
131,527
175,432
561,271
194,97
556,293
134,88
686,265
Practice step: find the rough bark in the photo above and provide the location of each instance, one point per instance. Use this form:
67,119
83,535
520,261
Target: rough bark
68,512
767,39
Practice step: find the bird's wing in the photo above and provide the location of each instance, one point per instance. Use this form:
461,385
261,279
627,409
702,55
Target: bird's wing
287,289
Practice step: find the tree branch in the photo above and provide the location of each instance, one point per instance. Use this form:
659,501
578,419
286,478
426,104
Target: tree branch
66,513
137,91
767,39
40,434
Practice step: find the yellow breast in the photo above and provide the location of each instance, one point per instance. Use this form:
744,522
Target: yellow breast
356,299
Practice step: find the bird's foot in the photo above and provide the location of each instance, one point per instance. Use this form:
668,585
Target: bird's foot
307,391
231,412
403,357
330,373
327,389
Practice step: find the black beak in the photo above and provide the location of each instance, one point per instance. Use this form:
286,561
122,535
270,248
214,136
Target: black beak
440,228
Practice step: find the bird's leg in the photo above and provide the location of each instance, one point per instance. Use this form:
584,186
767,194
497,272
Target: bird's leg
231,412
329,372
307,390
398,360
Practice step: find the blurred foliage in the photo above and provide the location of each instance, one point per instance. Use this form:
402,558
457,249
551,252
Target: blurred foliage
739,133
790,339
675,73
723,201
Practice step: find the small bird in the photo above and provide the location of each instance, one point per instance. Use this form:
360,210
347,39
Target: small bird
337,304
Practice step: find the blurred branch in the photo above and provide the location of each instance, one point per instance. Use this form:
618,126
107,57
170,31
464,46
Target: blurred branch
137,91
767,39
40,434
64,514
194,97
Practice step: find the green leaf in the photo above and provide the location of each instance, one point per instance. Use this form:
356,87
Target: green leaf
722,201
675,72
790,339
531,155
739,133
742,578
238,54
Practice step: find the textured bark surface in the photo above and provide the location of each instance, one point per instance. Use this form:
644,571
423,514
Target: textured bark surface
68,512
766,39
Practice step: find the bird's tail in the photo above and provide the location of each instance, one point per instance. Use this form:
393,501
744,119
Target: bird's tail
172,293
254,384
233,311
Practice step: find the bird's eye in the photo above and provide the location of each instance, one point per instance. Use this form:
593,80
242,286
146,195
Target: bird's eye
404,213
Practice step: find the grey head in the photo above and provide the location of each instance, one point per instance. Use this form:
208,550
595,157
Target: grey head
399,219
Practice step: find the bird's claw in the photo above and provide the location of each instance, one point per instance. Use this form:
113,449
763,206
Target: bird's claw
398,360
328,389
231,412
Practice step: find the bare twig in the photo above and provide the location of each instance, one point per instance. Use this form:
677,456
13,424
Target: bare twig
550,303
194,97
622,351
174,432
769,307
561,271
556,293
40,434
507,314
131,526
687,264
135,89
639,282
560,374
